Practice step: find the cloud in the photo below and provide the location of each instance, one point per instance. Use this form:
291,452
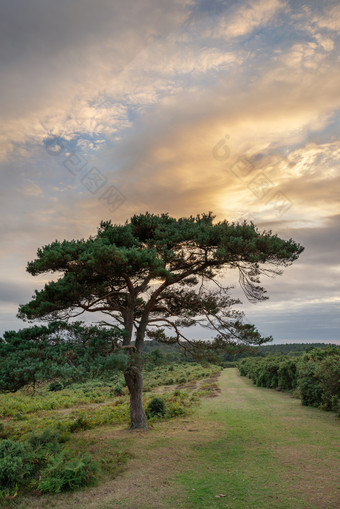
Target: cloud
48,48
128,78
304,301
329,19
31,189
167,160
313,322
246,18
144,94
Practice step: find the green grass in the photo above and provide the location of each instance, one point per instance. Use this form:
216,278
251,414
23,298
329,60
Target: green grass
94,391
260,448
93,401
271,453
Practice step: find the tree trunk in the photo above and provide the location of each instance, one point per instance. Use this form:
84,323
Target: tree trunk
134,381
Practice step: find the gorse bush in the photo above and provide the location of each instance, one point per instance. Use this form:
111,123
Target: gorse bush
310,389
287,374
329,378
263,372
319,378
315,375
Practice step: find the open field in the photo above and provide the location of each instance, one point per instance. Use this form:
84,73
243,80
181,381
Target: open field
95,403
246,447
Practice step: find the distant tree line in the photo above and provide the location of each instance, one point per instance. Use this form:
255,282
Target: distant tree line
168,352
291,348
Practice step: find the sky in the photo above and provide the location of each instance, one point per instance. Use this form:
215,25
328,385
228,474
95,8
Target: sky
109,109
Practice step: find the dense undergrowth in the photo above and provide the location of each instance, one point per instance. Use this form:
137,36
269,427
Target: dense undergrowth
314,376
42,463
37,426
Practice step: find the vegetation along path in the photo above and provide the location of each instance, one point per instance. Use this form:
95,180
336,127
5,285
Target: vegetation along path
245,448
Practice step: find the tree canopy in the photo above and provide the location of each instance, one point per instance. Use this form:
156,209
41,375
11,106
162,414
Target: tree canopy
154,268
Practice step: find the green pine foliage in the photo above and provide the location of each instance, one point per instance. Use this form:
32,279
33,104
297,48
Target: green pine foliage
111,273
69,352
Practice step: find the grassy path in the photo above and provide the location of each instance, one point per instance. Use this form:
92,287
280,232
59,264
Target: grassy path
258,448
272,452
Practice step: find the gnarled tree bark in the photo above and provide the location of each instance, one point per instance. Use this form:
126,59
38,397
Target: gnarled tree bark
134,381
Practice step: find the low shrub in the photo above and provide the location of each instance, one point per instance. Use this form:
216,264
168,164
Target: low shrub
55,386
19,417
15,463
309,385
176,409
64,473
118,389
3,432
328,374
48,440
228,364
7,494
80,424
156,407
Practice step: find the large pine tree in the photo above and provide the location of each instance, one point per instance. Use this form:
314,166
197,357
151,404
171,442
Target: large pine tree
157,273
